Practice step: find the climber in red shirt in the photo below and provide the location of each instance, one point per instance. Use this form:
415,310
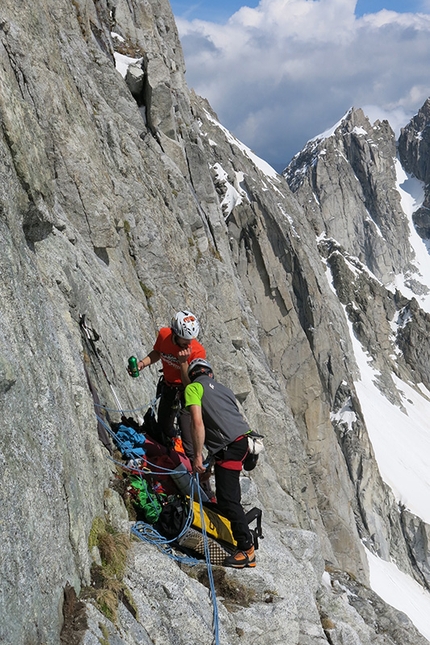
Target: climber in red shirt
176,346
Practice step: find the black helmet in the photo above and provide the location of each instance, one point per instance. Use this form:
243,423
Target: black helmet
197,367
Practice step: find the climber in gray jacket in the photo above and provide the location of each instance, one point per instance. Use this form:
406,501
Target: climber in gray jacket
218,424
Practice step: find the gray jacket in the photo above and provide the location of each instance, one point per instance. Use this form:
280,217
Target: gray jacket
222,418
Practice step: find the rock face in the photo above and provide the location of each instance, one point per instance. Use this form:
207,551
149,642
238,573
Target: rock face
127,202
414,152
360,159
347,184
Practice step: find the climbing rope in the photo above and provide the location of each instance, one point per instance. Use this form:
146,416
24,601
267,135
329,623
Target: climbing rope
147,533
208,566
91,337
144,471
109,430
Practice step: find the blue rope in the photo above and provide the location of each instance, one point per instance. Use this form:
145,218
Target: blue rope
161,469
137,471
209,567
147,533
120,445
146,471
106,426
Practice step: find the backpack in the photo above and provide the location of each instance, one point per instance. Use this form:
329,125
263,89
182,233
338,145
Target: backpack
147,503
172,518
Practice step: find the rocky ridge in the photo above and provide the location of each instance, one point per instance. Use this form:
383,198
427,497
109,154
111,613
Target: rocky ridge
367,292
127,201
414,144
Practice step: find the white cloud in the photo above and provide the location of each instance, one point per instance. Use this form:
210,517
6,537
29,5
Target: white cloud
279,74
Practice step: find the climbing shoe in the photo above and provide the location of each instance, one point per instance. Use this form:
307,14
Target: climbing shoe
241,559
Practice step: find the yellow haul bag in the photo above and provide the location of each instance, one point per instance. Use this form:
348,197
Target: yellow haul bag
217,526
220,540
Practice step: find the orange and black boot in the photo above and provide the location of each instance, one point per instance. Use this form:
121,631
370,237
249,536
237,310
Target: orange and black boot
241,559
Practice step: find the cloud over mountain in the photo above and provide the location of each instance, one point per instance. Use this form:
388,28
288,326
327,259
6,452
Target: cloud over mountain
283,72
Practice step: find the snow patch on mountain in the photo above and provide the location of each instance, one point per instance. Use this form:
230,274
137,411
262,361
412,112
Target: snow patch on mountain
411,192
258,162
400,438
400,591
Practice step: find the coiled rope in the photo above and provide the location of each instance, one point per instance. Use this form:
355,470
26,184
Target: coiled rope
147,533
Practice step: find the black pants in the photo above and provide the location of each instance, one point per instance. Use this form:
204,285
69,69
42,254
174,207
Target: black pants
228,493
170,405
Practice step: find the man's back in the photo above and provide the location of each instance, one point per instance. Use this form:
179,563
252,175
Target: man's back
222,418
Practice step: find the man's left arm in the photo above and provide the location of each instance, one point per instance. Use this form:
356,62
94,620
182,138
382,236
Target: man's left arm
198,437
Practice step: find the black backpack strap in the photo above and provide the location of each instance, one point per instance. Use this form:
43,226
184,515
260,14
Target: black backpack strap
255,514
160,386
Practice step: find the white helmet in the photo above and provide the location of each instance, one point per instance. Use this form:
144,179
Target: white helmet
185,325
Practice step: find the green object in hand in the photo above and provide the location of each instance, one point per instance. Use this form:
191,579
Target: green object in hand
132,364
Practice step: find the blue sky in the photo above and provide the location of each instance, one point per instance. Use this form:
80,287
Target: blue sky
401,6
216,11
279,72
221,10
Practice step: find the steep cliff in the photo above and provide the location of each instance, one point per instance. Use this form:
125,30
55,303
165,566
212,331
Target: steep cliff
126,201
414,142
377,273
